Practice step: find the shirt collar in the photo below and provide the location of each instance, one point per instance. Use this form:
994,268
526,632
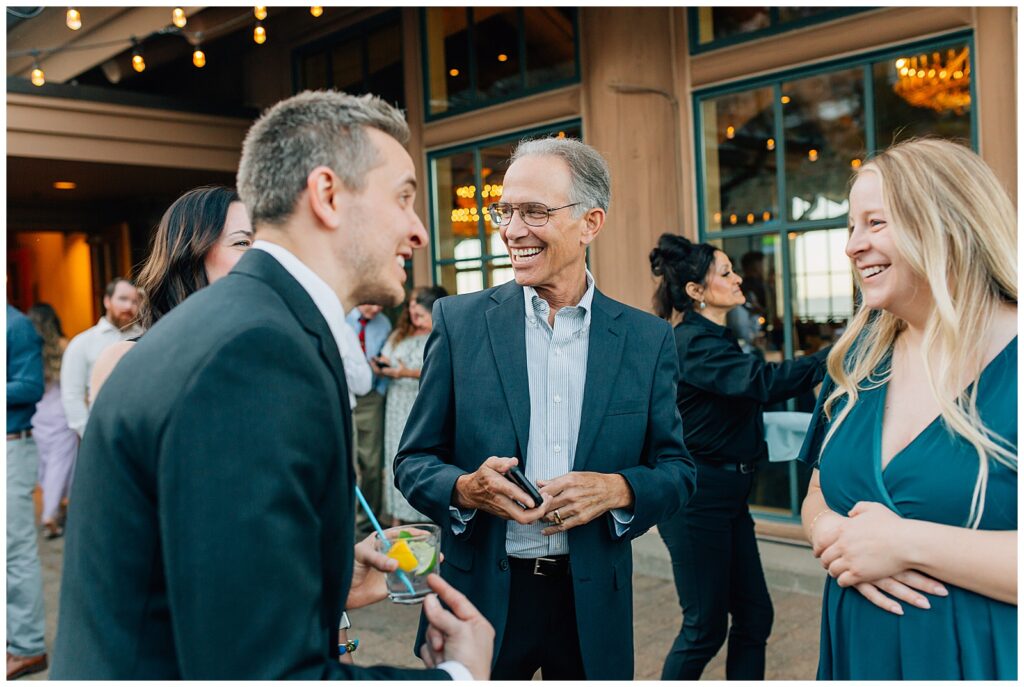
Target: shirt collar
105,325
533,300
323,296
695,318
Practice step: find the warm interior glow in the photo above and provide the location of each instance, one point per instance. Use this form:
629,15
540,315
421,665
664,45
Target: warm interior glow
73,19
65,185
178,17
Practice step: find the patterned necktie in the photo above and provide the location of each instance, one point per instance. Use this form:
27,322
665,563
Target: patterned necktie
362,332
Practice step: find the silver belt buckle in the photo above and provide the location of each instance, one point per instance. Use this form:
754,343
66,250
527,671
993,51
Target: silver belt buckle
536,566
744,469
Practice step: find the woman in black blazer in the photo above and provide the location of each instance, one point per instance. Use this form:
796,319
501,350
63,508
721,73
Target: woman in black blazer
721,396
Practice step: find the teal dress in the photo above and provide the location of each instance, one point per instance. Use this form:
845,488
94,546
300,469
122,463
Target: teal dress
964,636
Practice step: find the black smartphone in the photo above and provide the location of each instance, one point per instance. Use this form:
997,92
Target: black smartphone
519,479
381,363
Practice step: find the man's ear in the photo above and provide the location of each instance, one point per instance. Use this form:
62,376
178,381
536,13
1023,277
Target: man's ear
593,221
325,193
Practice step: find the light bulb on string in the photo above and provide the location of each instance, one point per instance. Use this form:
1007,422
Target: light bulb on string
38,77
138,64
260,12
199,58
73,19
178,17
259,34
316,10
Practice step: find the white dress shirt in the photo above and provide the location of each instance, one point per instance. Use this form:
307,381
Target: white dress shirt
326,301
358,375
76,368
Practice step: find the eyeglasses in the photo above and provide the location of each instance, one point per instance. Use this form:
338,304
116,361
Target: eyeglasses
532,214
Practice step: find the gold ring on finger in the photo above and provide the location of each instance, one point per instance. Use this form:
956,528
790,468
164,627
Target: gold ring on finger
558,518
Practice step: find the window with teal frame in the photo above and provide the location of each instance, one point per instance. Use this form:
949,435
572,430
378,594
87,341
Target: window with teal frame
467,251
711,28
366,58
775,157
479,56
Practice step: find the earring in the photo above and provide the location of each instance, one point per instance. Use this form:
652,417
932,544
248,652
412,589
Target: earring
703,305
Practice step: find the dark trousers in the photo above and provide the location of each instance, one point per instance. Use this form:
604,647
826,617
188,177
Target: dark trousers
718,573
541,629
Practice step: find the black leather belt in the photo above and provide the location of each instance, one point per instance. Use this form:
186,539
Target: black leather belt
742,468
551,566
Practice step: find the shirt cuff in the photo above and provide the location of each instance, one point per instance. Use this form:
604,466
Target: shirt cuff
460,519
456,670
622,517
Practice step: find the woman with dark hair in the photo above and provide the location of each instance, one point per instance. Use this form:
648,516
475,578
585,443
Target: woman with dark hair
58,443
401,360
200,238
722,392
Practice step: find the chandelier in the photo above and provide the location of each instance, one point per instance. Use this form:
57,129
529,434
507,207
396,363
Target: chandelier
936,82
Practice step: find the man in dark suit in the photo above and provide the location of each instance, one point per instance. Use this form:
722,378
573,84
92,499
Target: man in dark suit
211,532
578,389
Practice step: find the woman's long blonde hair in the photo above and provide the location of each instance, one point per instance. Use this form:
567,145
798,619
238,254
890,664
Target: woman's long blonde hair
955,226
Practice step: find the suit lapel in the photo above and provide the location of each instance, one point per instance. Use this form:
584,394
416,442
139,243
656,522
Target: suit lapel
263,266
604,355
506,328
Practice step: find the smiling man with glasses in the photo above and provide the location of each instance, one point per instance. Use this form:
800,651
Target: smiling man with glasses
578,390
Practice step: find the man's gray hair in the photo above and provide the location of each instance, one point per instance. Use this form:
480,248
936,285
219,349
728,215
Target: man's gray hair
306,131
591,180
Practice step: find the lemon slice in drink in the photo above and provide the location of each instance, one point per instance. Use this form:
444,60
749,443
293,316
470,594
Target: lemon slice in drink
426,554
401,553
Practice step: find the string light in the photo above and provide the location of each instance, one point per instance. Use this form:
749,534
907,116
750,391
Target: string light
260,12
138,64
73,19
259,34
316,10
771,144
199,58
453,72
502,57
178,17
730,131
812,155
38,76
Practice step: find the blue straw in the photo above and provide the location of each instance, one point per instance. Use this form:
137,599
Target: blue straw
383,537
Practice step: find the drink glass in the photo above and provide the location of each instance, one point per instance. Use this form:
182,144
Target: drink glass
417,548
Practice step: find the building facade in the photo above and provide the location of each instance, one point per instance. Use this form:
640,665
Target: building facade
738,126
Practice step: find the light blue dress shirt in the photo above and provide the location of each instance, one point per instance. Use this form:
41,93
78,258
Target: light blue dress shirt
556,360
377,331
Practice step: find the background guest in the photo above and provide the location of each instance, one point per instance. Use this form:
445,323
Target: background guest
26,650
721,396
372,328
119,322
915,437
57,443
199,239
401,361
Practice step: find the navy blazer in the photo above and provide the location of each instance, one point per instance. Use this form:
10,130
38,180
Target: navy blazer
474,402
211,532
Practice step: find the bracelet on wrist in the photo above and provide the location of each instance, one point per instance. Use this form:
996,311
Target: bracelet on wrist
811,526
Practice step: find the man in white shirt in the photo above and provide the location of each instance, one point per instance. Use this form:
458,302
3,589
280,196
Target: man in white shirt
119,322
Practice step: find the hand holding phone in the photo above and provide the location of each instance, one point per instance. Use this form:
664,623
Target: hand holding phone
516,476
381,363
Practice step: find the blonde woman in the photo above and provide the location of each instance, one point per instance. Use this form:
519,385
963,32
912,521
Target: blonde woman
913,506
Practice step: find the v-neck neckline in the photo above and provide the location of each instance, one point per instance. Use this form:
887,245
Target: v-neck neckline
884,392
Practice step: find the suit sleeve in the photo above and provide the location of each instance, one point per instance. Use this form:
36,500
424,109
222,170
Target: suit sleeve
667,478
241,490
711,364
423,470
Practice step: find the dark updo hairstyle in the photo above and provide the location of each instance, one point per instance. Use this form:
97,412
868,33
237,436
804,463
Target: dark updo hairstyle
678,261
175,268
424,296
